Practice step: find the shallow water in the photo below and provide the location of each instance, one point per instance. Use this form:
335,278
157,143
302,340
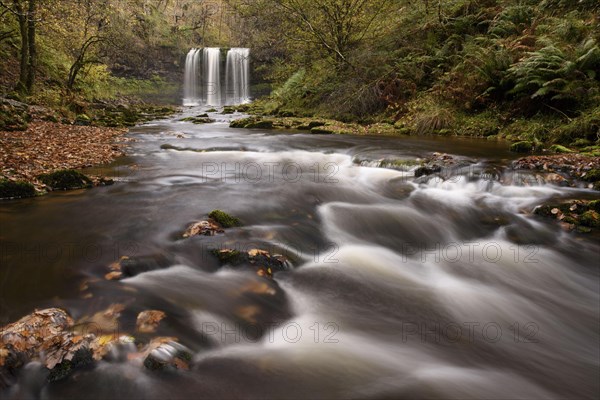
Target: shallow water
401,287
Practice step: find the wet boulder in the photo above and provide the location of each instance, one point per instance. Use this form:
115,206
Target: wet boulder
15,189
203,228
167,353
44,335
427,170
149,320
522,147
224,219
66,179
198,119
14,115
579,215
262,262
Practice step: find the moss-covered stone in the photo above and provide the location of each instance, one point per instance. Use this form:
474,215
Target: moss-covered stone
228,110
15,190
83,119
557,148
595,205
14,115
66,179
264,124
242,122
200,119
592,176
224,219
212,110
320,130
523,146
227,256
581,143
591,219
81,358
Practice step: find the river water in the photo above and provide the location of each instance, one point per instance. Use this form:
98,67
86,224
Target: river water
400,287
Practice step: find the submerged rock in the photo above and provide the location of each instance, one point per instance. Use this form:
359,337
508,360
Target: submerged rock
127,267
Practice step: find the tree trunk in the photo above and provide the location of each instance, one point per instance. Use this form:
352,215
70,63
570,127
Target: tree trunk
22,18
32,45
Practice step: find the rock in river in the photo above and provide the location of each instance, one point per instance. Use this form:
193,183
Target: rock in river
43,335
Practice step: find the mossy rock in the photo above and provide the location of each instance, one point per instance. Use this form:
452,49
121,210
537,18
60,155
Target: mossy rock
211,110
66,179
198,120
523,146
260,125
319,130
404,130
286,114
592,176
16,190
557,148
594,205
243,107
228,110
591,219
315,124
224,219
83,120
581,143
242,122
82,357
227,256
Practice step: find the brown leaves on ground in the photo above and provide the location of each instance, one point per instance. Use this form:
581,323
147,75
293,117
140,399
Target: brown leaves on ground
575,165
47,146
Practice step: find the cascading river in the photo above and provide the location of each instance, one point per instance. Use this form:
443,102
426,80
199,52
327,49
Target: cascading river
401,287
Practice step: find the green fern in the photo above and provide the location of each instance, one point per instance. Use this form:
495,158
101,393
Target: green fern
553,74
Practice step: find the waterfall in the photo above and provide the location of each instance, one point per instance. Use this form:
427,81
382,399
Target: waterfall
191,96
203,78
212,75
237,76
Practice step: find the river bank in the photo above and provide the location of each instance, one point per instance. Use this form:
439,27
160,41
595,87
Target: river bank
38,145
